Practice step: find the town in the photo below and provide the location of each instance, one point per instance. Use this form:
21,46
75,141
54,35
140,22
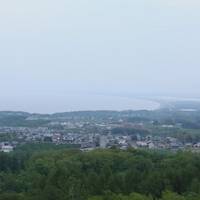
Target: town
87,134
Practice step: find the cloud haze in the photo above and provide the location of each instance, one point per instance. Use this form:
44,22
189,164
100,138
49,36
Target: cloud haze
54,48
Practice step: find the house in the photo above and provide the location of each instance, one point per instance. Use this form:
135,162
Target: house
197,145
6,148
141,144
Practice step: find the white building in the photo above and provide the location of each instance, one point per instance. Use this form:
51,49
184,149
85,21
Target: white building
103,142
6,148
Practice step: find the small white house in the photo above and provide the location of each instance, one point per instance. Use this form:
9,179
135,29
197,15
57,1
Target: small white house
141,144
6,148
197,145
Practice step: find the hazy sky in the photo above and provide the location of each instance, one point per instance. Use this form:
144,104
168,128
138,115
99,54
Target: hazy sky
49,49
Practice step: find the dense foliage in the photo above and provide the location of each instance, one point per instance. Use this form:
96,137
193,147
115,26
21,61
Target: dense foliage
60,174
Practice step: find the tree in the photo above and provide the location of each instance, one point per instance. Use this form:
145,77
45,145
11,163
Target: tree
172,196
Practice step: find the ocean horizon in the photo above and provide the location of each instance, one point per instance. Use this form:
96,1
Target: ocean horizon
67,103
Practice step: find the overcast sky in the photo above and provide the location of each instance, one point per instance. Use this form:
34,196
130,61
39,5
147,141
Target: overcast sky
49,49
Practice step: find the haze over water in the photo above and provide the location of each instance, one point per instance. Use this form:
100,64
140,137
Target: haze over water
76,103
51,50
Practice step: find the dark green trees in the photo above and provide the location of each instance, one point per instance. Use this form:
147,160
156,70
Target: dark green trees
99,175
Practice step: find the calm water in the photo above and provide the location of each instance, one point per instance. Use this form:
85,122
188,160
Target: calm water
50,104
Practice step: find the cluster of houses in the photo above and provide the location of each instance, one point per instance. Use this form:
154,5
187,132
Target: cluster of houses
90,136
147,142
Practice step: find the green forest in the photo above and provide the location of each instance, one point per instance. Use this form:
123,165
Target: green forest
41,173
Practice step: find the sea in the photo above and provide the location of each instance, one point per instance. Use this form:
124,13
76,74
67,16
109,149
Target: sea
66,103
